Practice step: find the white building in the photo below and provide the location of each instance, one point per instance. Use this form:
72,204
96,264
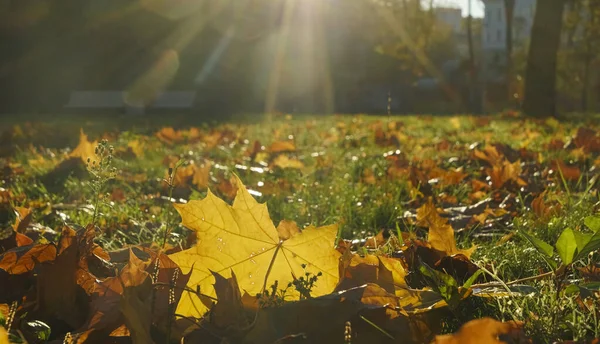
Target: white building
451,17
494,33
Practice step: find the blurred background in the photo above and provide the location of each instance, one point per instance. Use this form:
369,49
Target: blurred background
307,56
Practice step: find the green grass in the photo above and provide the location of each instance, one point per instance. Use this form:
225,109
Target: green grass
336,150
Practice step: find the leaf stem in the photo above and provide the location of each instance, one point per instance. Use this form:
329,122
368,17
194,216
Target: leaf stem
271,265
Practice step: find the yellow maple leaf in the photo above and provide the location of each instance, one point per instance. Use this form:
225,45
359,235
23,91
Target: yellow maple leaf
283,161
242,238
85,149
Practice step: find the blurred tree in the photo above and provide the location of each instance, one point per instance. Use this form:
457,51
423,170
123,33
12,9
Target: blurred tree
540,78
509,10
581,50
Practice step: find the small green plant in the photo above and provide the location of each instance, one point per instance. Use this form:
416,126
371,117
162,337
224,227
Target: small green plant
447,286
102,171
170,181
304,284
273,298
571,245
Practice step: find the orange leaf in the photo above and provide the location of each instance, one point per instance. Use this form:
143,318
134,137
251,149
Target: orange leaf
441,234
85,150
484,331
282,146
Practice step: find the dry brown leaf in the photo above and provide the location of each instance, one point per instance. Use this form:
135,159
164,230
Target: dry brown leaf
543,209
502,173
588,139
484,331
490,154
287,229
570,173
386,272
22,259
368,177
441,233
62,280
136,300
23,219
282,146
283,161
201,177
228,312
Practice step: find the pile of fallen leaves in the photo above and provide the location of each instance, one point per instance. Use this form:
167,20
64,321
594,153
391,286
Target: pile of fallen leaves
231,286
240,278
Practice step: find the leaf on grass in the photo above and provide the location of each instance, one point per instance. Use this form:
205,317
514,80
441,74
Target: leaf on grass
136,300
107,302
85,149
11,237
201,176
65,282
588,139
543,209
282,146
441,233
484,331
562,170
242,238
23,219
385,272
283,161
22,259
228,313
504,172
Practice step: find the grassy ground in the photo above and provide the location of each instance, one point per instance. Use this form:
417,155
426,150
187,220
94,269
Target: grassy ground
368,174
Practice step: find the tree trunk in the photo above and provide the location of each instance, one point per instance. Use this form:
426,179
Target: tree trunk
472,68
540,77
586,83
509,10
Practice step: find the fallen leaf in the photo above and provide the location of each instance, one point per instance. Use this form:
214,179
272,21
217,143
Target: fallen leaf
63,284
484,331
282,146
201,177
385,272
228,313
23,219
85,150
137,147
283,161
502,173
3,336
287,229
136,301
571,173
441,233
22,259
242,238
588,139
543,209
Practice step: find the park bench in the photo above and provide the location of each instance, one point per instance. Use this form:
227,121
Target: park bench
116,100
